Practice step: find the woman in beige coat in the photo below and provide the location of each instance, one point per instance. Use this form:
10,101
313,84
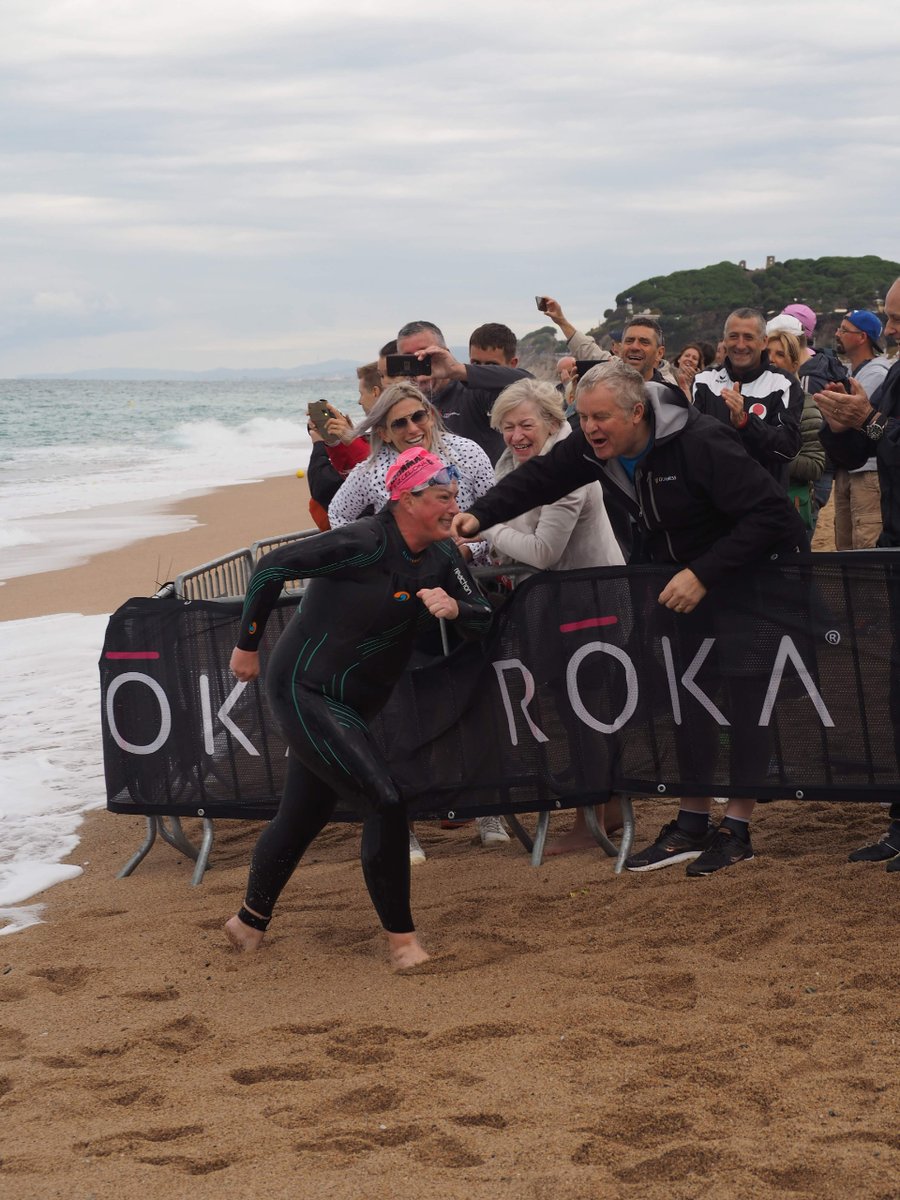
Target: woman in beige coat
573,532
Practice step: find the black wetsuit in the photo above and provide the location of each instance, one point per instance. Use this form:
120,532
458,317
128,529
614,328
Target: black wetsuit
331,671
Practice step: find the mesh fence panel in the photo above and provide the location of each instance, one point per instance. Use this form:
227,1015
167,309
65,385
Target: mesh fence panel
781,684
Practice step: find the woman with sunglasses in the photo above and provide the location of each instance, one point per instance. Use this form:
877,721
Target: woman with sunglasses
402,419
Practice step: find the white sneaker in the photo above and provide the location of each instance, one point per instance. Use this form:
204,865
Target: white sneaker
491,831
416,853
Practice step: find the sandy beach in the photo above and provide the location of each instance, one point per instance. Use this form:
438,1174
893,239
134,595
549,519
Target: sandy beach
576,1034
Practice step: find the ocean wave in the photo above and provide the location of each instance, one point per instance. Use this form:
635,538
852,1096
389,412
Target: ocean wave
11,536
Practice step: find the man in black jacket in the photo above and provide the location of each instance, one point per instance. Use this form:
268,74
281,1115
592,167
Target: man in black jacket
463,393
856,427
762,403
696,499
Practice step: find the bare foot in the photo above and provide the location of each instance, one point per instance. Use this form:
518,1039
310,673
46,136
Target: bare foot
580,837
241,936
568,843
404,951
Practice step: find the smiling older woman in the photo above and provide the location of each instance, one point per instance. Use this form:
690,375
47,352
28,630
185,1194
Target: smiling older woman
573,531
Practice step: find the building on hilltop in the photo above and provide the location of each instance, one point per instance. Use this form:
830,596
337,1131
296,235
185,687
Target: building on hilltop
770,262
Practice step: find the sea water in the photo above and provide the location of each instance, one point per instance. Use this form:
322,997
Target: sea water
83,467
73,453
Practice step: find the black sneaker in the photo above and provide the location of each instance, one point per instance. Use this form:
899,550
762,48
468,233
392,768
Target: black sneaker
725,849
672,846
879,852
894,864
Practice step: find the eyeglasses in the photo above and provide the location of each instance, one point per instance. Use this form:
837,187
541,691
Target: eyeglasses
419,417
442,478
845,330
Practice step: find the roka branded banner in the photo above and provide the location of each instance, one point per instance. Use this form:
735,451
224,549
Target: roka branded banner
780,684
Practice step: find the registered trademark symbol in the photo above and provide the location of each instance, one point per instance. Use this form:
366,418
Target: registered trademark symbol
833,638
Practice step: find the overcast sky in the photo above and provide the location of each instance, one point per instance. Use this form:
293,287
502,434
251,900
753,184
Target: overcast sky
202,183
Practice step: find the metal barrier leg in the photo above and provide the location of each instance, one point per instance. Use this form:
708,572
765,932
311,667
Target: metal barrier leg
142,853
627,840
600,835
540,837
519,830
203,856
177,838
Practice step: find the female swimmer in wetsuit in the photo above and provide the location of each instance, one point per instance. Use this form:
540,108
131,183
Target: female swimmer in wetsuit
373,584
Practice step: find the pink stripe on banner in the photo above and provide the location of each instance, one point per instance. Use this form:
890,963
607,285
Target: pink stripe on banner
131,654
591,623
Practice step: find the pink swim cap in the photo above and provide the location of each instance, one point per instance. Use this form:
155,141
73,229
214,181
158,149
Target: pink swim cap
411,469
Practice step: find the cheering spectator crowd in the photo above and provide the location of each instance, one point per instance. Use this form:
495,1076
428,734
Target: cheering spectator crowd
712,460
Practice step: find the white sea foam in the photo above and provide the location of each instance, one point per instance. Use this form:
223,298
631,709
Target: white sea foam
51,765
90,499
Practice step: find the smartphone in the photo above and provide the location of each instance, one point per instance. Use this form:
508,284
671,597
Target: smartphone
541,302
407,364
320,413
584,364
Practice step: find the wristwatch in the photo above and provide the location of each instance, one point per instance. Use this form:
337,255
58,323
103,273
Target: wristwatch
874,426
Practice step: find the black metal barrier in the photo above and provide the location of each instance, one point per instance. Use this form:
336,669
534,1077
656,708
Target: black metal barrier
783,683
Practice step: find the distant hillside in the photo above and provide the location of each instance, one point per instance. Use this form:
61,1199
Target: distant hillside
692,306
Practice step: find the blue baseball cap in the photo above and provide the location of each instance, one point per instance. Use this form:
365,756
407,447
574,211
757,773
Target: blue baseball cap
866,322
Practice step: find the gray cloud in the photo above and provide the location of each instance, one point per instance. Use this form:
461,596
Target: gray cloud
262,187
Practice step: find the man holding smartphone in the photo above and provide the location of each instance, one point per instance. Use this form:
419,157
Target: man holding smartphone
463,393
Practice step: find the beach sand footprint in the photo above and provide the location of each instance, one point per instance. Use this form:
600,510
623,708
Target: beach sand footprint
481,1120
675,1165
12,1043
344,1145
64,979
370,1044
130,1141
187,1165
181,1035
274,1073
483,1031
373,1099
458,956
157,995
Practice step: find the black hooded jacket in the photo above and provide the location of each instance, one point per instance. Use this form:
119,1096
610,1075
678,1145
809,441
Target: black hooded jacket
698,498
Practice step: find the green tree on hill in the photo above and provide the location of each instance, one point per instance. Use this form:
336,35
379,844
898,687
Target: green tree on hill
692,305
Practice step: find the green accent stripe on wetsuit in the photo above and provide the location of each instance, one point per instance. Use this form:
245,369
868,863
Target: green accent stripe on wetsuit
351,715
281,574
310,738
313,652
388,637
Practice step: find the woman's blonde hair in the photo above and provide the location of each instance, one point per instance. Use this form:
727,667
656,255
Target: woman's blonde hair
789,345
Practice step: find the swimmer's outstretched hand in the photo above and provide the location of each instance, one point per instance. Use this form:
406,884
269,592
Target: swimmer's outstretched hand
438,603
464,525
244,664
